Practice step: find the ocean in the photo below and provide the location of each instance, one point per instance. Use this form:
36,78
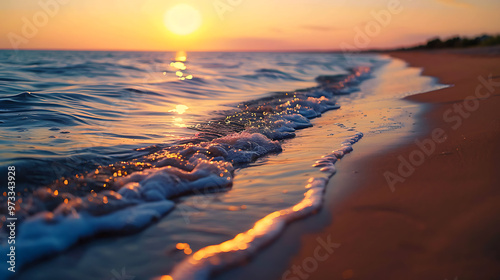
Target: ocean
177,163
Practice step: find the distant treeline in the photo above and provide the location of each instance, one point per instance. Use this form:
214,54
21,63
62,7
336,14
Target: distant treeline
459,42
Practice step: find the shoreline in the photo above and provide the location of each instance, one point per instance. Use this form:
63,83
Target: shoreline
435,224
225,203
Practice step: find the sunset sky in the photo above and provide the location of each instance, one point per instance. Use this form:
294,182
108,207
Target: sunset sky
238,24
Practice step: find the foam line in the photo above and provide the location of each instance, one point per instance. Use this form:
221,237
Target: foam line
212,259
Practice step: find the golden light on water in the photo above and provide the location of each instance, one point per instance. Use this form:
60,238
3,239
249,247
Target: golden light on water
244,240
180,109
179,66
181,56
179,122
182,19
235,250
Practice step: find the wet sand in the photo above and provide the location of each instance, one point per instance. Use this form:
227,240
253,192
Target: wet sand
442,221
438,219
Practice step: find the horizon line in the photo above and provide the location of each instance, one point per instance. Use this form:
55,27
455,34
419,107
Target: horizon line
153,50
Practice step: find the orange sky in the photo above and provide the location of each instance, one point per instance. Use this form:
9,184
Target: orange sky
240,24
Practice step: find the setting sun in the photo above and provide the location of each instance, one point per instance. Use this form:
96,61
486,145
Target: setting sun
182,19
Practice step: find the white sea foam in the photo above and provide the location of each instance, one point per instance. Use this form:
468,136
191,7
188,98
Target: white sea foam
211,259
47,234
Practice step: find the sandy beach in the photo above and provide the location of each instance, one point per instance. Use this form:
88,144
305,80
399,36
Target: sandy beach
419,220
439,223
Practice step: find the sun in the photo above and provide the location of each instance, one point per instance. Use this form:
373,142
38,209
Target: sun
182,19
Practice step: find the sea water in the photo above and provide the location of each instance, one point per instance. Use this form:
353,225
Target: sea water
107,144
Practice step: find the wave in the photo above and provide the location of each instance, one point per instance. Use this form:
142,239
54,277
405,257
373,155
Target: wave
89,69
222,65
128,195
29,106
272,74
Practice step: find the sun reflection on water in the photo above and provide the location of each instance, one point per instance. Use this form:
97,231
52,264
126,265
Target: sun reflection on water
180,109
179,122
179,66
181,56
